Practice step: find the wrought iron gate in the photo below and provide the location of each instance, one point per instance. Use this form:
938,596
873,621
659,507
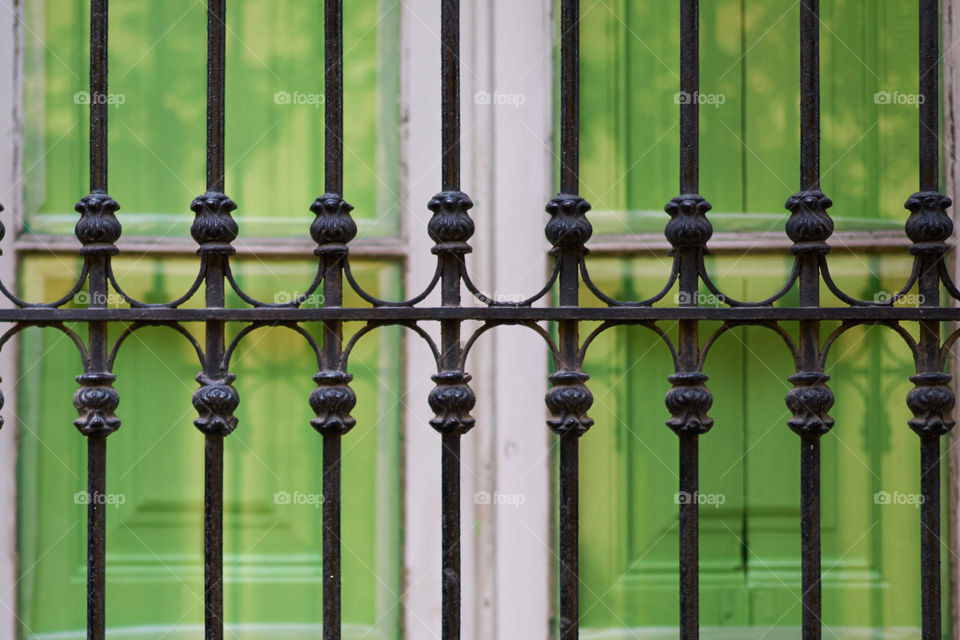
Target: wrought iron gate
928,227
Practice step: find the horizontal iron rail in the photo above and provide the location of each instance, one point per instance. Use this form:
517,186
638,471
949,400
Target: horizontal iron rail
41,316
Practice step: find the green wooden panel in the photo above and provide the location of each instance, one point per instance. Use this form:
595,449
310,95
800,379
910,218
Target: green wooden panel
749,118
274,145
272,519
750,542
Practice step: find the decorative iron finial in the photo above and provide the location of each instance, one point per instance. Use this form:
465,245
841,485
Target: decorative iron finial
929,225
688,402
568,226
450,226
452,400
96,401
332,401
569,399
213,227
810,401
215,402
334,227
931,402
689,227
98,228
809,224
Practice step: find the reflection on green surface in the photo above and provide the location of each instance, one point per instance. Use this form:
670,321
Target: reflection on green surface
274,146
272,517
749,471
749,114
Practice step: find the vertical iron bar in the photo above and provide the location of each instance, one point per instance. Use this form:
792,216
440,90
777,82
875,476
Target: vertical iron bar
216,66
215,342
450,88
97,442
809,338
689,93
333,95
930,90
929,289
568,330
570,96
689,341
450,265
332,330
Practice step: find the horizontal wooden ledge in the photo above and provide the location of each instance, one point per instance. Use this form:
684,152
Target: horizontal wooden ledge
134,246
747,242
493,314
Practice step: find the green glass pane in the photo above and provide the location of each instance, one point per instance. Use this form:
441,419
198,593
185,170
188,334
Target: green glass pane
749,471
272,478
749,113
274,113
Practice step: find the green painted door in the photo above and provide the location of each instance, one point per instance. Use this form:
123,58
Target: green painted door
749,461
272,519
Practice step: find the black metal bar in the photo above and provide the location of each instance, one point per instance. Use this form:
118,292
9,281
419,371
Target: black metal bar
333,94
569,245
216,80
214,351
688,400
930,93
930,537
331,536
810,379
97,229
98,95
332,329
932,399
450,90
689,96
570,96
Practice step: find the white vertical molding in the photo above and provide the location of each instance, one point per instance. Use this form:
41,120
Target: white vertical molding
506,54
521,99
419,181
10,173
480,446
951,119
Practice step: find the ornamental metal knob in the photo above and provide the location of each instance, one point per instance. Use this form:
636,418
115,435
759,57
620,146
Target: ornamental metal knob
333,227
213,227
809,224
450,226
929,225
452,400
689,227
569,399
810,401
332,401
96,401
98,228
215,402
568,225
688,402
931,402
